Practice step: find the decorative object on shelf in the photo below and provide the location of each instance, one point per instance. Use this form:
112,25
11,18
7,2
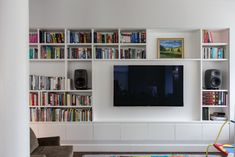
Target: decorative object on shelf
170,47
213,79
80,79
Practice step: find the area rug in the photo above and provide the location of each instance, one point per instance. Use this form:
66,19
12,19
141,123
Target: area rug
157,155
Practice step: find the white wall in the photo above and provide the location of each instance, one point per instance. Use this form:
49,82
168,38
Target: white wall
137,13
14,25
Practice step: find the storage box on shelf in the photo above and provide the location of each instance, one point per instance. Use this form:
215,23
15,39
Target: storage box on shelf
215,74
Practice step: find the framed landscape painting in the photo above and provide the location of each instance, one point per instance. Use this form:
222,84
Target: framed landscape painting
170,48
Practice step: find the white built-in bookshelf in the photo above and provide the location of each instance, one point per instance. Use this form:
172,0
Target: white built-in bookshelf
56,53
215,55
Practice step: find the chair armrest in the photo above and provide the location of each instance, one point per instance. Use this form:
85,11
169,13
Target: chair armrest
38,155
49,141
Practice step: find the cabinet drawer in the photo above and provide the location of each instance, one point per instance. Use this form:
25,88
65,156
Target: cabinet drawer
134,131
106,131
47,130
161,132
79,132
210,132
188,132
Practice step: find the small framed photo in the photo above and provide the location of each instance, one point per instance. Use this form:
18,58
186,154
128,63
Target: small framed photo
170,48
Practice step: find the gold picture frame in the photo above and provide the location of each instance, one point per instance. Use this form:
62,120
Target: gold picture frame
170,48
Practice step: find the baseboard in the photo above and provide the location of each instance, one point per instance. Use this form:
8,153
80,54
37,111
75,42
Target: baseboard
141,148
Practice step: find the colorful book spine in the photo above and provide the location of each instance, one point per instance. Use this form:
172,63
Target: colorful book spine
213,52
33,53
79,37
51,37
133,37
215,98
51,52
33,99
207,36
65,99
79,53
106,53
46,83
60,115
133,53
106,37
33,37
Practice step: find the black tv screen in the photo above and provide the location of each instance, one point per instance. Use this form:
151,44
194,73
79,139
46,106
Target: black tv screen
148,85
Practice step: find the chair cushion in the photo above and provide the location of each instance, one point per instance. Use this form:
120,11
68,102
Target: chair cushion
33,141
54,151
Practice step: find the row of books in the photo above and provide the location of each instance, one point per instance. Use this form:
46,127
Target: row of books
60,115
133,53
33,37
214,116
133,37
33,99
207,36
106,37
213,53
51,52
106,53
51,37
215,98
79,53
46,83
33,53
79,37
65,99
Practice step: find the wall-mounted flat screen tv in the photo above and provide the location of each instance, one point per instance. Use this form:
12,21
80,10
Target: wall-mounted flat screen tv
148,85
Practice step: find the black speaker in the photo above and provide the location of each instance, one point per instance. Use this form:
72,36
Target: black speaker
80,79
213,79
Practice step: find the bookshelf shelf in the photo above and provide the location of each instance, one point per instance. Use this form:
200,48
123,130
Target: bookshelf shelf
79,60
105,44
214,90
46,60
51,44
214,44
80,91
60,107
33,44
79,44
215,60
133,44
214,106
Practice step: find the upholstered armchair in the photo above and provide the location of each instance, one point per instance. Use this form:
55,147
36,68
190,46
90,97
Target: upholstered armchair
48,147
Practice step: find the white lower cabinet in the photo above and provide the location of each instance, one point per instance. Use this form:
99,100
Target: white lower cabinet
106,131
34,127
161,132
79,132
188,132
132,131
47,130
210,132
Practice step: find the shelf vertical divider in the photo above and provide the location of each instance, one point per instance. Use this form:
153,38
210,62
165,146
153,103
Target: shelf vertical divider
119,43
92,74
66,58
201,75
38,44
